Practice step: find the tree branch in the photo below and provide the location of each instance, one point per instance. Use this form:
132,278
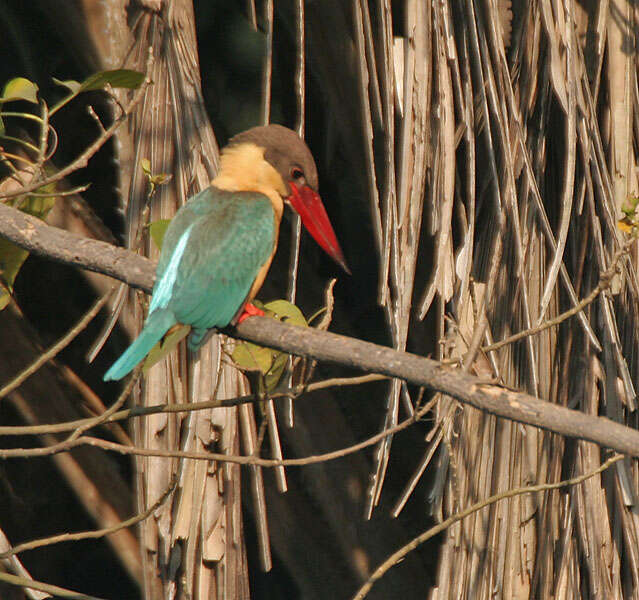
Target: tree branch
37,237
137,271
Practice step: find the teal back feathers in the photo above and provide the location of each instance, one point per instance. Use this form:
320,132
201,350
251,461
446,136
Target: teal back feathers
212,253
229,236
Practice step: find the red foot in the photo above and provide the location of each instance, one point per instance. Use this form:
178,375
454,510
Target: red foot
250,310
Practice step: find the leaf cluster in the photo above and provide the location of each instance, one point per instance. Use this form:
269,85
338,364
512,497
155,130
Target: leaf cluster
269,364
31,163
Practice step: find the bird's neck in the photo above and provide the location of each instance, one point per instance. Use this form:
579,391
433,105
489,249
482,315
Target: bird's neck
243,168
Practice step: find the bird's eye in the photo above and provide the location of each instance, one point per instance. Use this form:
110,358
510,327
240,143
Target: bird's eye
297,173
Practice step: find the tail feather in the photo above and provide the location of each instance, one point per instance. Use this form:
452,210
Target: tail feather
157,324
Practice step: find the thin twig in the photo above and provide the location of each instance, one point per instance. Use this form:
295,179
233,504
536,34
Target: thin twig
93,534
240,460
267,68
95,117
54,590
308,367
340,381
44,138
54,350
81,161
604,283
20,142
72,192
5,155
396,557
100,419
143,411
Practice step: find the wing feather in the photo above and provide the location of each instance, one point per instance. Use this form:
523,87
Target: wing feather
212,253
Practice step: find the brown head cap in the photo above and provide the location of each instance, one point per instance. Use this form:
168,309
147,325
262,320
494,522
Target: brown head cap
283,149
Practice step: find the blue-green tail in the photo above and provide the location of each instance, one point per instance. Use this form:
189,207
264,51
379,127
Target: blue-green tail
157,324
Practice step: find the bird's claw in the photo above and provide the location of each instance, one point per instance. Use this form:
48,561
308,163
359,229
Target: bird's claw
250,310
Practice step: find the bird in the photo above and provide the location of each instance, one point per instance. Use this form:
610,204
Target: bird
219,245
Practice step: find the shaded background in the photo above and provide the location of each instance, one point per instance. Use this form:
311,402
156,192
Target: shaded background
51,41
474,158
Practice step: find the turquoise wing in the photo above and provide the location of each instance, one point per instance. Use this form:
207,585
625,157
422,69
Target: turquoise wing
195,208
212,252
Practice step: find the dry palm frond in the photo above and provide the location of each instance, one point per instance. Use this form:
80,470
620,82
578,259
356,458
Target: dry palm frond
502,161
494,144
194,546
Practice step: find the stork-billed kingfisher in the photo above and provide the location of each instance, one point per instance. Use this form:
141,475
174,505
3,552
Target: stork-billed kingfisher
220,244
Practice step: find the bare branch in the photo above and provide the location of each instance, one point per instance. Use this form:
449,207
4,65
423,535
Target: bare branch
37,237
54,590
143,411
60,345
251,459
34,235
94,534
605,280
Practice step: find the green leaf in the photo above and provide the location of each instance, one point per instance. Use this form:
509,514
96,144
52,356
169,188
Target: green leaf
119,78
271,363
75,87
276,371
285,311
170,341
154,180
12,257
36,206
157,229
145,163
253,358
20,89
